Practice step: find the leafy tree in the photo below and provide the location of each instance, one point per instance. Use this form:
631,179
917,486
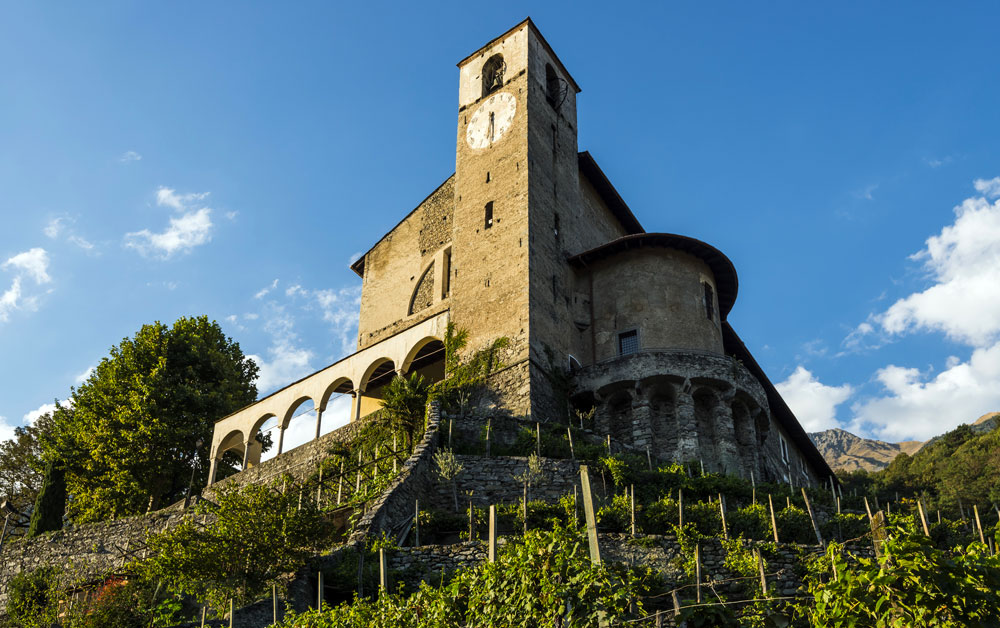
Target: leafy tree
128,439
259,533
404,403
51,503
21,464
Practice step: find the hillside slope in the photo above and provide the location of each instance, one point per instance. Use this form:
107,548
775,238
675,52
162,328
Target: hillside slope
846,452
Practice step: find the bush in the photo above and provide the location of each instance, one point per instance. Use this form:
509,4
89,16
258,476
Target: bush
752,521
32,598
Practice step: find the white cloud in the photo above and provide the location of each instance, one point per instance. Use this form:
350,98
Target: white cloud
84,376
9,299
167,197
340,309
33,262
81,242
55,227
988,187
232,215
291,291
918,406
34,415
814,404
285,362
354,257
866,192
191,228
129,156
263,292
6,429
964,263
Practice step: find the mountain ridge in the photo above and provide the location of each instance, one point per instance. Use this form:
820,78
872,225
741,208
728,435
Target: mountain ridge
845,451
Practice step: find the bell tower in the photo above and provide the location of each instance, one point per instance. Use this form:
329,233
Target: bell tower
516,174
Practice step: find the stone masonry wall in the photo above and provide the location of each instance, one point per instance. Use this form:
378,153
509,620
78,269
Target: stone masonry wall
491,481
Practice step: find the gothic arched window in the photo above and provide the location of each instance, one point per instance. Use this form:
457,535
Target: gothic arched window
552,86
493,71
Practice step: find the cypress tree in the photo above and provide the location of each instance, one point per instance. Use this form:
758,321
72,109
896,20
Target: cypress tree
50,505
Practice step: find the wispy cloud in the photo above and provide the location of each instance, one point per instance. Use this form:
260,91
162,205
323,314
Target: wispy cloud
189,228
62,226
867,192
265,290
285,361
934,162
129,156
84,376
33,265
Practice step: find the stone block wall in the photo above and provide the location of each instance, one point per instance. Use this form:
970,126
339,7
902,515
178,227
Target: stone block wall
491,481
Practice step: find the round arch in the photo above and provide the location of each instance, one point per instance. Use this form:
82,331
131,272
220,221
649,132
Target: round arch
290,412
341,385
376,371
235,438
415,352
259,423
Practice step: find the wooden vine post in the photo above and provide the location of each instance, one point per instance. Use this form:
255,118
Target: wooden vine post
923,518
722,512
697,571
416,522
812,518
632,495
979,526
680,508
774,524
492,556
569,434
383,572
588,511
319,590
868,509
538,439
760,568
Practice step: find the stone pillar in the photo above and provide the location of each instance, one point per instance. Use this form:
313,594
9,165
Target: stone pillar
687,429
281,439
602,416
251,454
356,409
319,420
642,423
725,434
211,469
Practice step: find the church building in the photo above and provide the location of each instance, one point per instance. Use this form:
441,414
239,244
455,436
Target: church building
529,240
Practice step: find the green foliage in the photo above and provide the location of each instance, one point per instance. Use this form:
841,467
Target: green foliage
21,466
752,521
960,467
404,405
794,526
912,584
50,505
464,377
545,579
128,439
32,598
258,534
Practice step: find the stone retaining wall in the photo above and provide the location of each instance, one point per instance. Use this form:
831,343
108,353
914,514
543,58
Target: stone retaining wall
492,481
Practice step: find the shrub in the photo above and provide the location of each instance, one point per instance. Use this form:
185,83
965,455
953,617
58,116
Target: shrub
32,598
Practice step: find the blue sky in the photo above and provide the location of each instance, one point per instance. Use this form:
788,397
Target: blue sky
230,159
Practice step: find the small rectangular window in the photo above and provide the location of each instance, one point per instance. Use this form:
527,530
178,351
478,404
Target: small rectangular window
489,215
709,302
784,450
628,342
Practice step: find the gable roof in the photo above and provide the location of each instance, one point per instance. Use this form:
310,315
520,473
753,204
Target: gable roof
779,409
610,196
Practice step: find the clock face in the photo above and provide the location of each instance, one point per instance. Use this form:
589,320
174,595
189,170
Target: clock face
491,120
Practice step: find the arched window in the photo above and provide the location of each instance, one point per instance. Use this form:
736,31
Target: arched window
553,87
493,71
